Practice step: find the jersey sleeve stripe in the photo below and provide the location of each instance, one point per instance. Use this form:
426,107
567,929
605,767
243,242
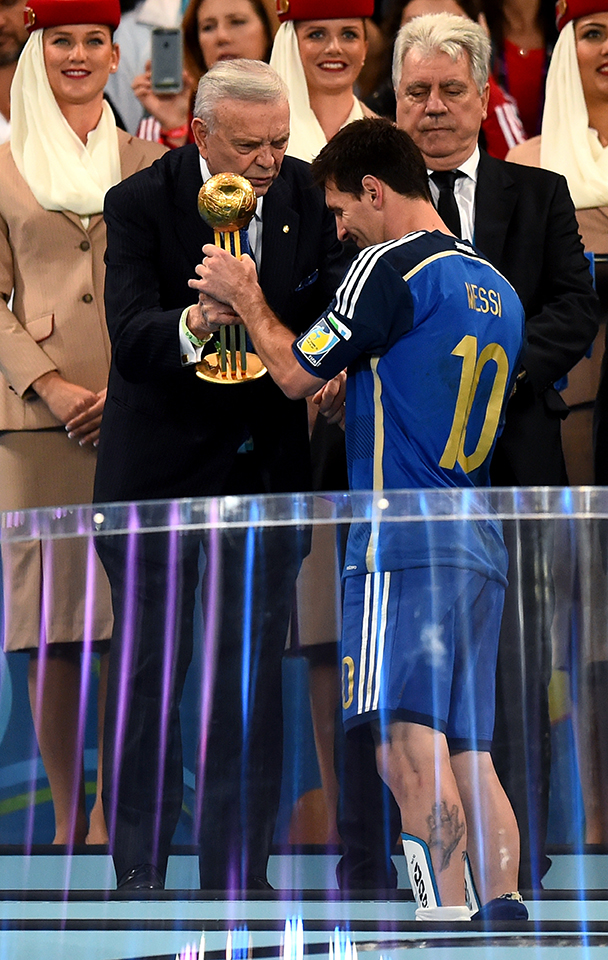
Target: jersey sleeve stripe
349,290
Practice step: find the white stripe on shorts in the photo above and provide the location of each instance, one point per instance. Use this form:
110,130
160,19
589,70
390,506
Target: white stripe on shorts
364,639
380,652
373,634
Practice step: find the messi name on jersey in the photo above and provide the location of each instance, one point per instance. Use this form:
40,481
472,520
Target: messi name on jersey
484,301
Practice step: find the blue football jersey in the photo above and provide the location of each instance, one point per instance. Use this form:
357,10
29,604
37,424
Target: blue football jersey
431,335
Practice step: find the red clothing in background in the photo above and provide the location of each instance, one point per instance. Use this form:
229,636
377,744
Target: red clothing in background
502,128
523,75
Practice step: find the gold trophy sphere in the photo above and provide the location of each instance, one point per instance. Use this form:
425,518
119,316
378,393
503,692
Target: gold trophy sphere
227,202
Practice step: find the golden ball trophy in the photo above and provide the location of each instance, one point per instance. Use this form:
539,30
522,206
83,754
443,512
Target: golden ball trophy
227,203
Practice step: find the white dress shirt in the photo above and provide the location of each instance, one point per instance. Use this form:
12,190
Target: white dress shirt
464,193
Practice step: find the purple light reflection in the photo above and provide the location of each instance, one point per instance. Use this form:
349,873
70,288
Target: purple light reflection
248,680
85,684
126,659
211,626
46,562
171,639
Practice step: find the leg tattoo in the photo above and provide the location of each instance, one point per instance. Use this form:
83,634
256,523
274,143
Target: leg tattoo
446,830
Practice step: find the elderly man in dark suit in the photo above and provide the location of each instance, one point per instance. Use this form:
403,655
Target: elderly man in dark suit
167,434
523,220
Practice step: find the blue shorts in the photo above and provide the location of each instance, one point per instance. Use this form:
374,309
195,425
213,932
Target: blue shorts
420,645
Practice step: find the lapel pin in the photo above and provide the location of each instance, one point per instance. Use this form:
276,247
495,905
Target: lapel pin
286,228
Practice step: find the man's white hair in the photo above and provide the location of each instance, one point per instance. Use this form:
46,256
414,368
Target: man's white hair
444,33
249,80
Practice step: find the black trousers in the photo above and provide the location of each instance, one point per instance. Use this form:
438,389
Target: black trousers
521,747
247,590
369,821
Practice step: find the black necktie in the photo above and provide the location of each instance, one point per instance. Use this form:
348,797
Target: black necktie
447,208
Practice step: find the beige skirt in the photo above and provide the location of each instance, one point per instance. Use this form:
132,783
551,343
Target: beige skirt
46,583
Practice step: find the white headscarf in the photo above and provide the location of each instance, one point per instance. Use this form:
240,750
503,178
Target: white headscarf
61,172
568,145
306,137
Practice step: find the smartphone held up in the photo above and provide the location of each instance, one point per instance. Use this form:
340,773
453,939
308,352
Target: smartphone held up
166,60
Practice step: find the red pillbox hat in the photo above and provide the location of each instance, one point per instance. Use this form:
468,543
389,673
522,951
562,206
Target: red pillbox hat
56,13
567,10
323,9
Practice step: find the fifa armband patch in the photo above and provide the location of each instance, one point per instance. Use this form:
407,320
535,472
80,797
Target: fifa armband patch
317,343
326,333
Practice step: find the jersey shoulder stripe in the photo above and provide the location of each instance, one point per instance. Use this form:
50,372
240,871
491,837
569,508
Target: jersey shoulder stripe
349,290
454,253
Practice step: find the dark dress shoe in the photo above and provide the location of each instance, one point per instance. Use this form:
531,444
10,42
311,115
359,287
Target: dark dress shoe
143,877
357,872
251,883
258,883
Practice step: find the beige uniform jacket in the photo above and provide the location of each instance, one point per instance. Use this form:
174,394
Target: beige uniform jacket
55,267
593,223
584,378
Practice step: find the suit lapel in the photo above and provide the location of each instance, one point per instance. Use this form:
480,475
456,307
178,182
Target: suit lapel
281,225
495,200
93,220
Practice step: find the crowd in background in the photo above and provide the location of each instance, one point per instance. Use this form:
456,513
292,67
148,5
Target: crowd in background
523,35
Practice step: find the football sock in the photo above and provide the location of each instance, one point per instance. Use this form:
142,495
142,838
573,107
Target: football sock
420,871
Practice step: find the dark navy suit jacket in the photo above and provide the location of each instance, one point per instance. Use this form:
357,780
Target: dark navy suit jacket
526,226
166,433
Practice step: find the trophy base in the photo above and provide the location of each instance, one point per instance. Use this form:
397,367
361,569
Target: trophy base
209,369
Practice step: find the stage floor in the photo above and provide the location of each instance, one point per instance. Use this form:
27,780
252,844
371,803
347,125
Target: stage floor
40,921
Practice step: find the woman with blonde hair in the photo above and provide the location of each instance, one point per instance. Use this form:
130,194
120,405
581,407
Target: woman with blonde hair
65,153
319,51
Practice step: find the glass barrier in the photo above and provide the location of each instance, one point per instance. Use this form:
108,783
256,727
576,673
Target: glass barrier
225,676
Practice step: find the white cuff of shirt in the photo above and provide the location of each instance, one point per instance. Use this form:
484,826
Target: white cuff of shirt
189,352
